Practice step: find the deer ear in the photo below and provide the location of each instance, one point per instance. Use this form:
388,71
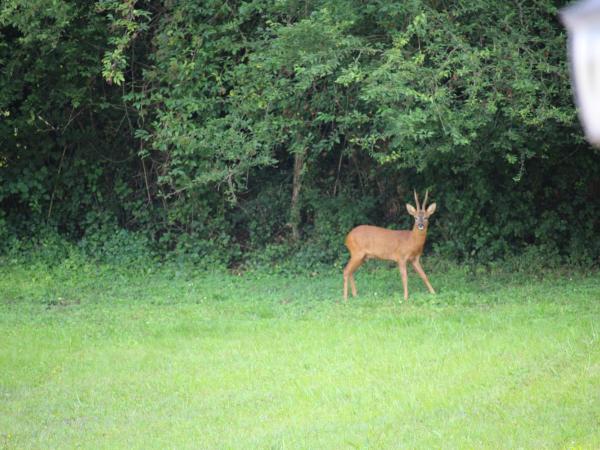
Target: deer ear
431,209
411,209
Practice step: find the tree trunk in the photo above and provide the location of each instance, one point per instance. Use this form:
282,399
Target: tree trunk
296,187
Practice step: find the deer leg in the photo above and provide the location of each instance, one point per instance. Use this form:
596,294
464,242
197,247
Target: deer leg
353,285
351,267
417,266
404,274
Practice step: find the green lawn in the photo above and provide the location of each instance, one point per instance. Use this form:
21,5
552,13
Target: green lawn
98,357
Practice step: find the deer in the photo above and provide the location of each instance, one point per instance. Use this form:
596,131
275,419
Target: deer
402,246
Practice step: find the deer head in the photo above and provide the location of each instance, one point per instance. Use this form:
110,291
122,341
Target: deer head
421,214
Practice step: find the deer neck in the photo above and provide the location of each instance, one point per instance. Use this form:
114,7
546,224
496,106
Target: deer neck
418,236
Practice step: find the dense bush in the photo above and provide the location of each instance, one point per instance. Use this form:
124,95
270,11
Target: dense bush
228,133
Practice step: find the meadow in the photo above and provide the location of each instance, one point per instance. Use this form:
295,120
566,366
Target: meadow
95,356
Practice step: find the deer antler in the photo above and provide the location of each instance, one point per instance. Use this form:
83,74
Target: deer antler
425,201
417,199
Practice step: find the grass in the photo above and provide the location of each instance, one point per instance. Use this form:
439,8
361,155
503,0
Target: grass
101,357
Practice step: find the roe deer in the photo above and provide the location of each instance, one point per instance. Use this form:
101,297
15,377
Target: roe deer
366,242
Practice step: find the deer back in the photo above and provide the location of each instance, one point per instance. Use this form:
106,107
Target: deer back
376,242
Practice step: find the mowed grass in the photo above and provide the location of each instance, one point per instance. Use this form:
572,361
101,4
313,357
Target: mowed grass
100,357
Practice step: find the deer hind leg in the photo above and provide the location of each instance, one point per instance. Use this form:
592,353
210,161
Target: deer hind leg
353,285
404,274
351,267
417,266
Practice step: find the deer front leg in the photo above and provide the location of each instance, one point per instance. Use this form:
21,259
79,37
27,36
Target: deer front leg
404,274
417,266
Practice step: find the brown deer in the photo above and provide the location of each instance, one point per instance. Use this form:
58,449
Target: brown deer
366,242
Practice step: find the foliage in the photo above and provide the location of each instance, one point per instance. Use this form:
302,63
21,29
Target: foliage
184,128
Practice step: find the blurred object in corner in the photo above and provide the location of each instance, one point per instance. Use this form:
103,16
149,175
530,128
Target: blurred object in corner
582,20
